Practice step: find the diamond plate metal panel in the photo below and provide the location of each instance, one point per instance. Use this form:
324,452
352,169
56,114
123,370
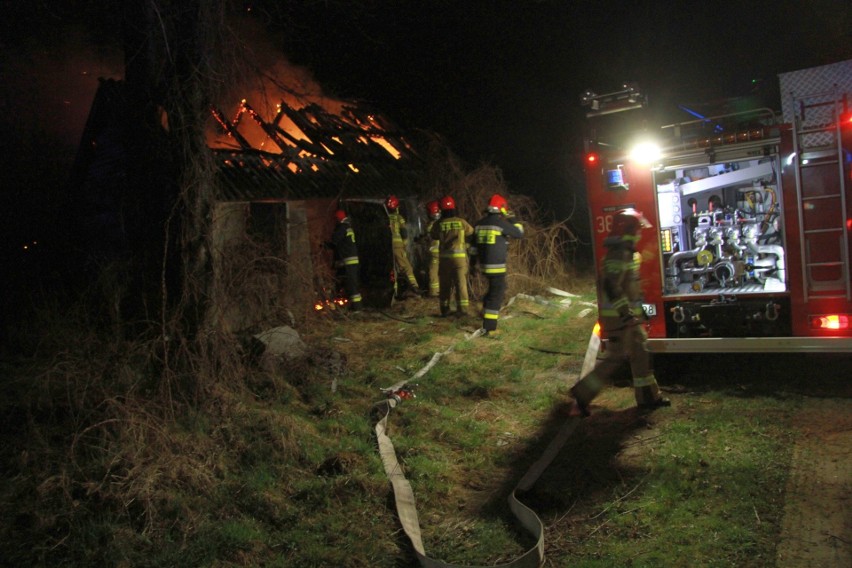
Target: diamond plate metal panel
818,88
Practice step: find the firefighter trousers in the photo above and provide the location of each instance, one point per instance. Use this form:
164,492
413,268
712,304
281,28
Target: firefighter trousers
493,300
351,278
434,281
403,266
453,278
625,344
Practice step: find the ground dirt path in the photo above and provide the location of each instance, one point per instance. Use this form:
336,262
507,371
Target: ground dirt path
817,526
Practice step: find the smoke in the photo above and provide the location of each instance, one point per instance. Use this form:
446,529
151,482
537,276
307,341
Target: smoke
265,79
49,82
49,90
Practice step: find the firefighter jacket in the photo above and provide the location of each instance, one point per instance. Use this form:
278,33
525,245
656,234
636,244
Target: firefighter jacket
434,244
343,244
621,288
452,234
397,228
491,239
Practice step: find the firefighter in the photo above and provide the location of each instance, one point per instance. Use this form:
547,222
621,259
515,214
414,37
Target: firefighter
453,234
491,240
621,318
346,258
399,236
433,209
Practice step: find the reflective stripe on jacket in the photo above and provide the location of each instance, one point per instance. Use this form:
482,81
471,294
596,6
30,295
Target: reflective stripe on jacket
434,244
492,241
343,242
452,234
397,223
621,289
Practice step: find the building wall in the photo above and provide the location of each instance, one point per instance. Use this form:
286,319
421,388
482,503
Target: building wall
263,265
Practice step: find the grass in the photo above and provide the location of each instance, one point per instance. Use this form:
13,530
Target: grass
278,469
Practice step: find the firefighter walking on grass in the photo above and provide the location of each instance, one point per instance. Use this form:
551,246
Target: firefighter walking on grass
621,317
453,234
491,239
399,236
346,258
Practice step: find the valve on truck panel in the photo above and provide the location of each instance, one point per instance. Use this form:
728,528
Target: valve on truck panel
772,310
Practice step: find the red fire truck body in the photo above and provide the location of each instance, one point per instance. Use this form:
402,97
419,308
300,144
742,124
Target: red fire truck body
752,215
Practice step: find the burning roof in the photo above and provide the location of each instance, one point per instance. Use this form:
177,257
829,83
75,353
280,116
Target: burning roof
305,145
311,151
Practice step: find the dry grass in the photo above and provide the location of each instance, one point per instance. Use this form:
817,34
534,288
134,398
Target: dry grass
127,431
125,437
542,259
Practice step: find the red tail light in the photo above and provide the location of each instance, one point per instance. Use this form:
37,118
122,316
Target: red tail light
846,120
592,159
830,321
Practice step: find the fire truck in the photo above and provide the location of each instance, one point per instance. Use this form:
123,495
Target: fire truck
752,215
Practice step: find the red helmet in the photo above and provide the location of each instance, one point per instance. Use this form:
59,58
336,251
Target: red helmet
447,203
433,209
340,215
392,202
628,222
497,204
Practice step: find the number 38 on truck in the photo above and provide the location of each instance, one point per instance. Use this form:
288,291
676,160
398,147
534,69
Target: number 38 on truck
752,212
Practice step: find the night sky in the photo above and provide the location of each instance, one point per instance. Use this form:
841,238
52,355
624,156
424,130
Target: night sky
500,80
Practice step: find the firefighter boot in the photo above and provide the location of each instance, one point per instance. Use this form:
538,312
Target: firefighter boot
648,398
583,392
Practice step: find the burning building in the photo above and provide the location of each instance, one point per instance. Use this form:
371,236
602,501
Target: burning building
283,166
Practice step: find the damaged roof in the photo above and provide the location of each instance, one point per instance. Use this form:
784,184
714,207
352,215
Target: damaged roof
300,153
312,153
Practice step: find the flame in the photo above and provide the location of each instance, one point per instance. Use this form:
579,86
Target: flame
286,98
387,146
331,304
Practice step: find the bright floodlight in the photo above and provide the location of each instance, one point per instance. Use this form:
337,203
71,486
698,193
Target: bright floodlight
645,153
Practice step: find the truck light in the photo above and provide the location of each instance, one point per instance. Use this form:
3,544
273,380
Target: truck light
830,321
592,158
645,153
846,120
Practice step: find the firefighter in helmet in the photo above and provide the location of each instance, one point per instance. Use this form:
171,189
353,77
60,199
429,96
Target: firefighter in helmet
621,317
433,209
453,235
346,258
399,237
491,239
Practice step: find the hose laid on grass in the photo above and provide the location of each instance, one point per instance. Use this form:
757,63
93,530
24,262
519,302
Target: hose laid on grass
407,509
404,494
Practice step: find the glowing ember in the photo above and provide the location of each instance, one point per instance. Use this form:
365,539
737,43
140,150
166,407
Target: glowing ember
331,304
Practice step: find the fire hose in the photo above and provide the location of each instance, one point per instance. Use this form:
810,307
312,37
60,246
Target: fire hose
404,494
